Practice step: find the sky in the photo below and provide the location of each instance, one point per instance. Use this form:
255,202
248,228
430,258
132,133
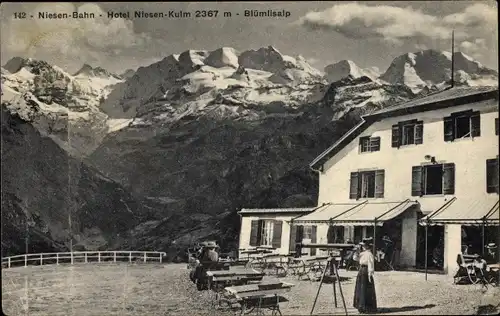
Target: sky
370,33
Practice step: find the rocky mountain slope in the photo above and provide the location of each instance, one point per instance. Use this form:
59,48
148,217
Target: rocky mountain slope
43,190
59,105
198,135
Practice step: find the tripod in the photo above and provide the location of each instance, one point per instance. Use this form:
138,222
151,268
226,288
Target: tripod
332,268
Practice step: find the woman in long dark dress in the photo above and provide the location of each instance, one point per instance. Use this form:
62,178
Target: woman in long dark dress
365,299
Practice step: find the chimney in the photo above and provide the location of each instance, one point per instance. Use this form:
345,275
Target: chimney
452,58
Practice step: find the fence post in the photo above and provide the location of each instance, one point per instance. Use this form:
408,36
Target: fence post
8,259
57,258
72,257
41,259
161,256
130,257
98,256
25,261
85,257
114,256
145,257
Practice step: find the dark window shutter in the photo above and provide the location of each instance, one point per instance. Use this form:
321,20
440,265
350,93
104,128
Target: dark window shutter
354,190
313,239
496,126
330,235
492,176
416,181
475,124
419,132
395,135
293,237
277,231
254,233
300,233
449,178
375,144
379,183
449,130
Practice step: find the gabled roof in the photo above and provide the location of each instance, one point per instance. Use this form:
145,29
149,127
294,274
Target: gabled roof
439,100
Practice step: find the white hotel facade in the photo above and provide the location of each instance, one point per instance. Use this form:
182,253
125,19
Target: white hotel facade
430,161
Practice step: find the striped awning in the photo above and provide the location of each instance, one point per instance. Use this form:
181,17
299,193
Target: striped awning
324,213
463,211
375,213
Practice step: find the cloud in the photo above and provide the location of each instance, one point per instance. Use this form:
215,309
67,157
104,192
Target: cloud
474,48
70,39
395,24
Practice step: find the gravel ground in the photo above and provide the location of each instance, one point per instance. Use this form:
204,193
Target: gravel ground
166,290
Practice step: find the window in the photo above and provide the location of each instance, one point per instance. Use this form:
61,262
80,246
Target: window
266,238
266,233
433,179
466,124
407,133
492,176
335,234
367,184
496,126
369,144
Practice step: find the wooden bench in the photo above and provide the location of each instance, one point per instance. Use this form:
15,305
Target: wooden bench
255,297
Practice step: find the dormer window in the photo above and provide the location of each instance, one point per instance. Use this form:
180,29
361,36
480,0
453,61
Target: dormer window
369,144
466,124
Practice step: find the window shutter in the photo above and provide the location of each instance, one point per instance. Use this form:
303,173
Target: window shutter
475,120
449,178
379,183
449,131
300,233
419,132
354,190
293,237
375,144
496,126
277,230
395,135
416,181
298,239
492,176
254,233
313,239
330,235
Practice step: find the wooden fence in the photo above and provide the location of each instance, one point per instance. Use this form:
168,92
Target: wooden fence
82,257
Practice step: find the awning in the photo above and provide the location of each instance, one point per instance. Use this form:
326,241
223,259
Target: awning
324,213
376,213
483,211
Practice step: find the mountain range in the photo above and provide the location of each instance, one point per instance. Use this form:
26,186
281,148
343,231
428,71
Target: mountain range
165,155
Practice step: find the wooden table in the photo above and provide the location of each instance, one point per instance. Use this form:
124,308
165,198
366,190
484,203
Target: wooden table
308,265
218,280
258,296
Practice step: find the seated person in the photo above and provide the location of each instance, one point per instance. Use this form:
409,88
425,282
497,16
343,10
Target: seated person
491,253
207,256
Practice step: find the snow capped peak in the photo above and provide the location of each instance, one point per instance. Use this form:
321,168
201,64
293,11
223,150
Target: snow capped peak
33,66
89,71
223,57
347,68
432,67
193,57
